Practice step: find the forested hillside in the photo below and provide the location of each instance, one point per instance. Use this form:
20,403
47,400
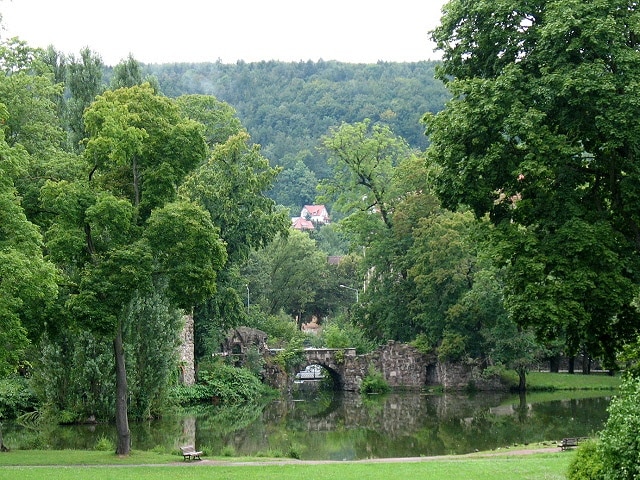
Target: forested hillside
286,107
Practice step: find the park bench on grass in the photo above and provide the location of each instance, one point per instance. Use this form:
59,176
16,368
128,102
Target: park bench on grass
567,443
189,453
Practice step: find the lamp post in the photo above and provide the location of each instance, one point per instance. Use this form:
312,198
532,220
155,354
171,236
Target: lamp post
355,290
247,285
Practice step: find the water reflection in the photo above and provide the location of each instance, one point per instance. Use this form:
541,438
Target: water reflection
346,426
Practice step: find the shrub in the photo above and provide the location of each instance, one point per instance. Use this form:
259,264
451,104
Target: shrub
587,464
374,382
340,333
281,329
292,356
619,445
228,451
15,397
423,344
105,444
223,384
294,452
452,348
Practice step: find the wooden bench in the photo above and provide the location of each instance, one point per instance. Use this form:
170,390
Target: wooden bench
567,443
189,453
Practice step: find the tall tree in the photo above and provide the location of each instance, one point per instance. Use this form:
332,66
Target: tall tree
232,187
27,280
30,97
83,79
122,226
297,272
127,73
219,118
541,134
362,156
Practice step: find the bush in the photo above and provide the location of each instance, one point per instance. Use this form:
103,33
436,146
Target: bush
221,384
587,464
452,348
15,397
374,382
291,357
339,333
619,446
423,344
105,444
228,451
281,329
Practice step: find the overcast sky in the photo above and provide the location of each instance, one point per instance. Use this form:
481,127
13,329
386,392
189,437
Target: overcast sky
208,30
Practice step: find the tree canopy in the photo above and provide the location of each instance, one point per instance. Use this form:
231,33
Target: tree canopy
541,135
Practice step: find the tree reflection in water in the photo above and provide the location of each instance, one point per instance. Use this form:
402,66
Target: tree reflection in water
322,424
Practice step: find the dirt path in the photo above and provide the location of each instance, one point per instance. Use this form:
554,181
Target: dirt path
502,453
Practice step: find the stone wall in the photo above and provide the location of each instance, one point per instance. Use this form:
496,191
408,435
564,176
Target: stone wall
404,367
187,352
465,375
401,365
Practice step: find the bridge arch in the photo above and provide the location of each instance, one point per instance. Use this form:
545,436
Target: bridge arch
333,360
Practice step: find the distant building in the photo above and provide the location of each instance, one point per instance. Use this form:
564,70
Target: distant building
301,223
310,217
316,213
334,259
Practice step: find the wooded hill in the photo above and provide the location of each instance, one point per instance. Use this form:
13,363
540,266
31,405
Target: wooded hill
288,106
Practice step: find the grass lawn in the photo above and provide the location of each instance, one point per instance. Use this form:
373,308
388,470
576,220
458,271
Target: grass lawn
539,466
539,381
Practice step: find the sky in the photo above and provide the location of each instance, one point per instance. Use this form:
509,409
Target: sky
356,31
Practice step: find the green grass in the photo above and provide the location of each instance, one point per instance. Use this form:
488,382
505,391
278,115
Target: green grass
549,466
541,381
82,457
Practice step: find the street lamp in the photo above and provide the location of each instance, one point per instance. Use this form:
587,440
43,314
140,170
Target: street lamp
355,290
247,285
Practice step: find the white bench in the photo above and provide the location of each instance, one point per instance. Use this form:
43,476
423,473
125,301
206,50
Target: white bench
189,453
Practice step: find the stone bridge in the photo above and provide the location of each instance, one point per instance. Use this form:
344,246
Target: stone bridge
401,365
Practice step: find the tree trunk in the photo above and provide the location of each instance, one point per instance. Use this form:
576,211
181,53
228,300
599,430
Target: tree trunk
554,364
572,364
2,447
122,419
522,378
586,364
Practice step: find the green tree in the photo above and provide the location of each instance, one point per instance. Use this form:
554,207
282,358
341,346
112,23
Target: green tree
83,80
296,188
219,118
27,280
127,73
362,156
296,269
30,96
232,187
541,135
152,329
444,259
120,232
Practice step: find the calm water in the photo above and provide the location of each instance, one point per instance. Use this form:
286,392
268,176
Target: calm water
347,426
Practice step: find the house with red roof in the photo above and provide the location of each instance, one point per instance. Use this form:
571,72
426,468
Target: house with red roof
316,213
301,223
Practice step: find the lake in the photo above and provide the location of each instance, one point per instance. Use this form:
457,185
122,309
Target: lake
326,425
